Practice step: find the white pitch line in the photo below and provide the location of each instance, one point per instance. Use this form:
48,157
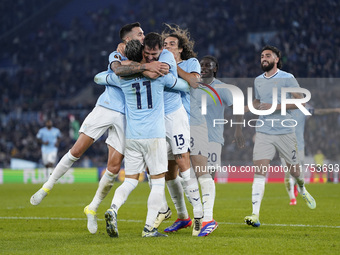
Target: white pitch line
284,225
53,218
124,220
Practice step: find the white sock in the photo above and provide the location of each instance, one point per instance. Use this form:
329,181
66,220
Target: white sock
301,184
257,192
208,195
62,167
289,183
156,194
122,193
193,192
185,188
164,204
104,187
176,193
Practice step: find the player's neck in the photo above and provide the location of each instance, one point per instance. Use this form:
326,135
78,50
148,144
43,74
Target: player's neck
271,72
208,80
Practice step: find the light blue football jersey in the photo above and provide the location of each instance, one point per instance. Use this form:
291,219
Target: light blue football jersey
144,99
300,118
190,65
264,92
113,97
51,136
216,111
172,98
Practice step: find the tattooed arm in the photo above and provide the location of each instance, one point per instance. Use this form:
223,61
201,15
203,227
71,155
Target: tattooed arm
129,68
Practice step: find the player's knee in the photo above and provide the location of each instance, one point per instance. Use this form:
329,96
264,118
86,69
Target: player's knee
171,175
113,168
183,161
76,152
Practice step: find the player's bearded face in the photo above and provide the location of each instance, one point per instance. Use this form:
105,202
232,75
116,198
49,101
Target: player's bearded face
267,65
151,55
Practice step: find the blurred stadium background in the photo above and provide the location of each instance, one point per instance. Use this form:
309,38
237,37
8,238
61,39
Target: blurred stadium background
50,51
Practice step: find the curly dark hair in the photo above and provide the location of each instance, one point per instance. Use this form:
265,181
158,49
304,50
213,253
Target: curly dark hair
184,40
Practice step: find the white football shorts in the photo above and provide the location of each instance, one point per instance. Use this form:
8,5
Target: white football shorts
49,158
266,145
177,132
214,154
142,153
199,140
101,119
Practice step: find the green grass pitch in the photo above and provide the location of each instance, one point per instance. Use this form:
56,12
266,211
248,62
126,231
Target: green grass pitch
58,224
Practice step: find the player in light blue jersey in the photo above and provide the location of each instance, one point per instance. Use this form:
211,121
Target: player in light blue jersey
209,66
49,138
300,119
145,137
165,58
108,114
177,128
270,135
179,43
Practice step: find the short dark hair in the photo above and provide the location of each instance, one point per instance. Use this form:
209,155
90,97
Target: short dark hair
134,50
277,53
213,59
127,29
152,40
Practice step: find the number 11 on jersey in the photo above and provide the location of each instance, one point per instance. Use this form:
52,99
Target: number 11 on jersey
136,86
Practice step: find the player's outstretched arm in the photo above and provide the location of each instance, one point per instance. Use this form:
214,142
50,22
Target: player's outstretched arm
106,78
326,111
134,68
101,78
181,85
154,75
193,79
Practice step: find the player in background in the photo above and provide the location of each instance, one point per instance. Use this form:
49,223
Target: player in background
108,114
145,136
209,69
179,43
300,118
49,138
273,136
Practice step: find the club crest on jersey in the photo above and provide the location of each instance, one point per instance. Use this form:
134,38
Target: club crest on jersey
117,56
